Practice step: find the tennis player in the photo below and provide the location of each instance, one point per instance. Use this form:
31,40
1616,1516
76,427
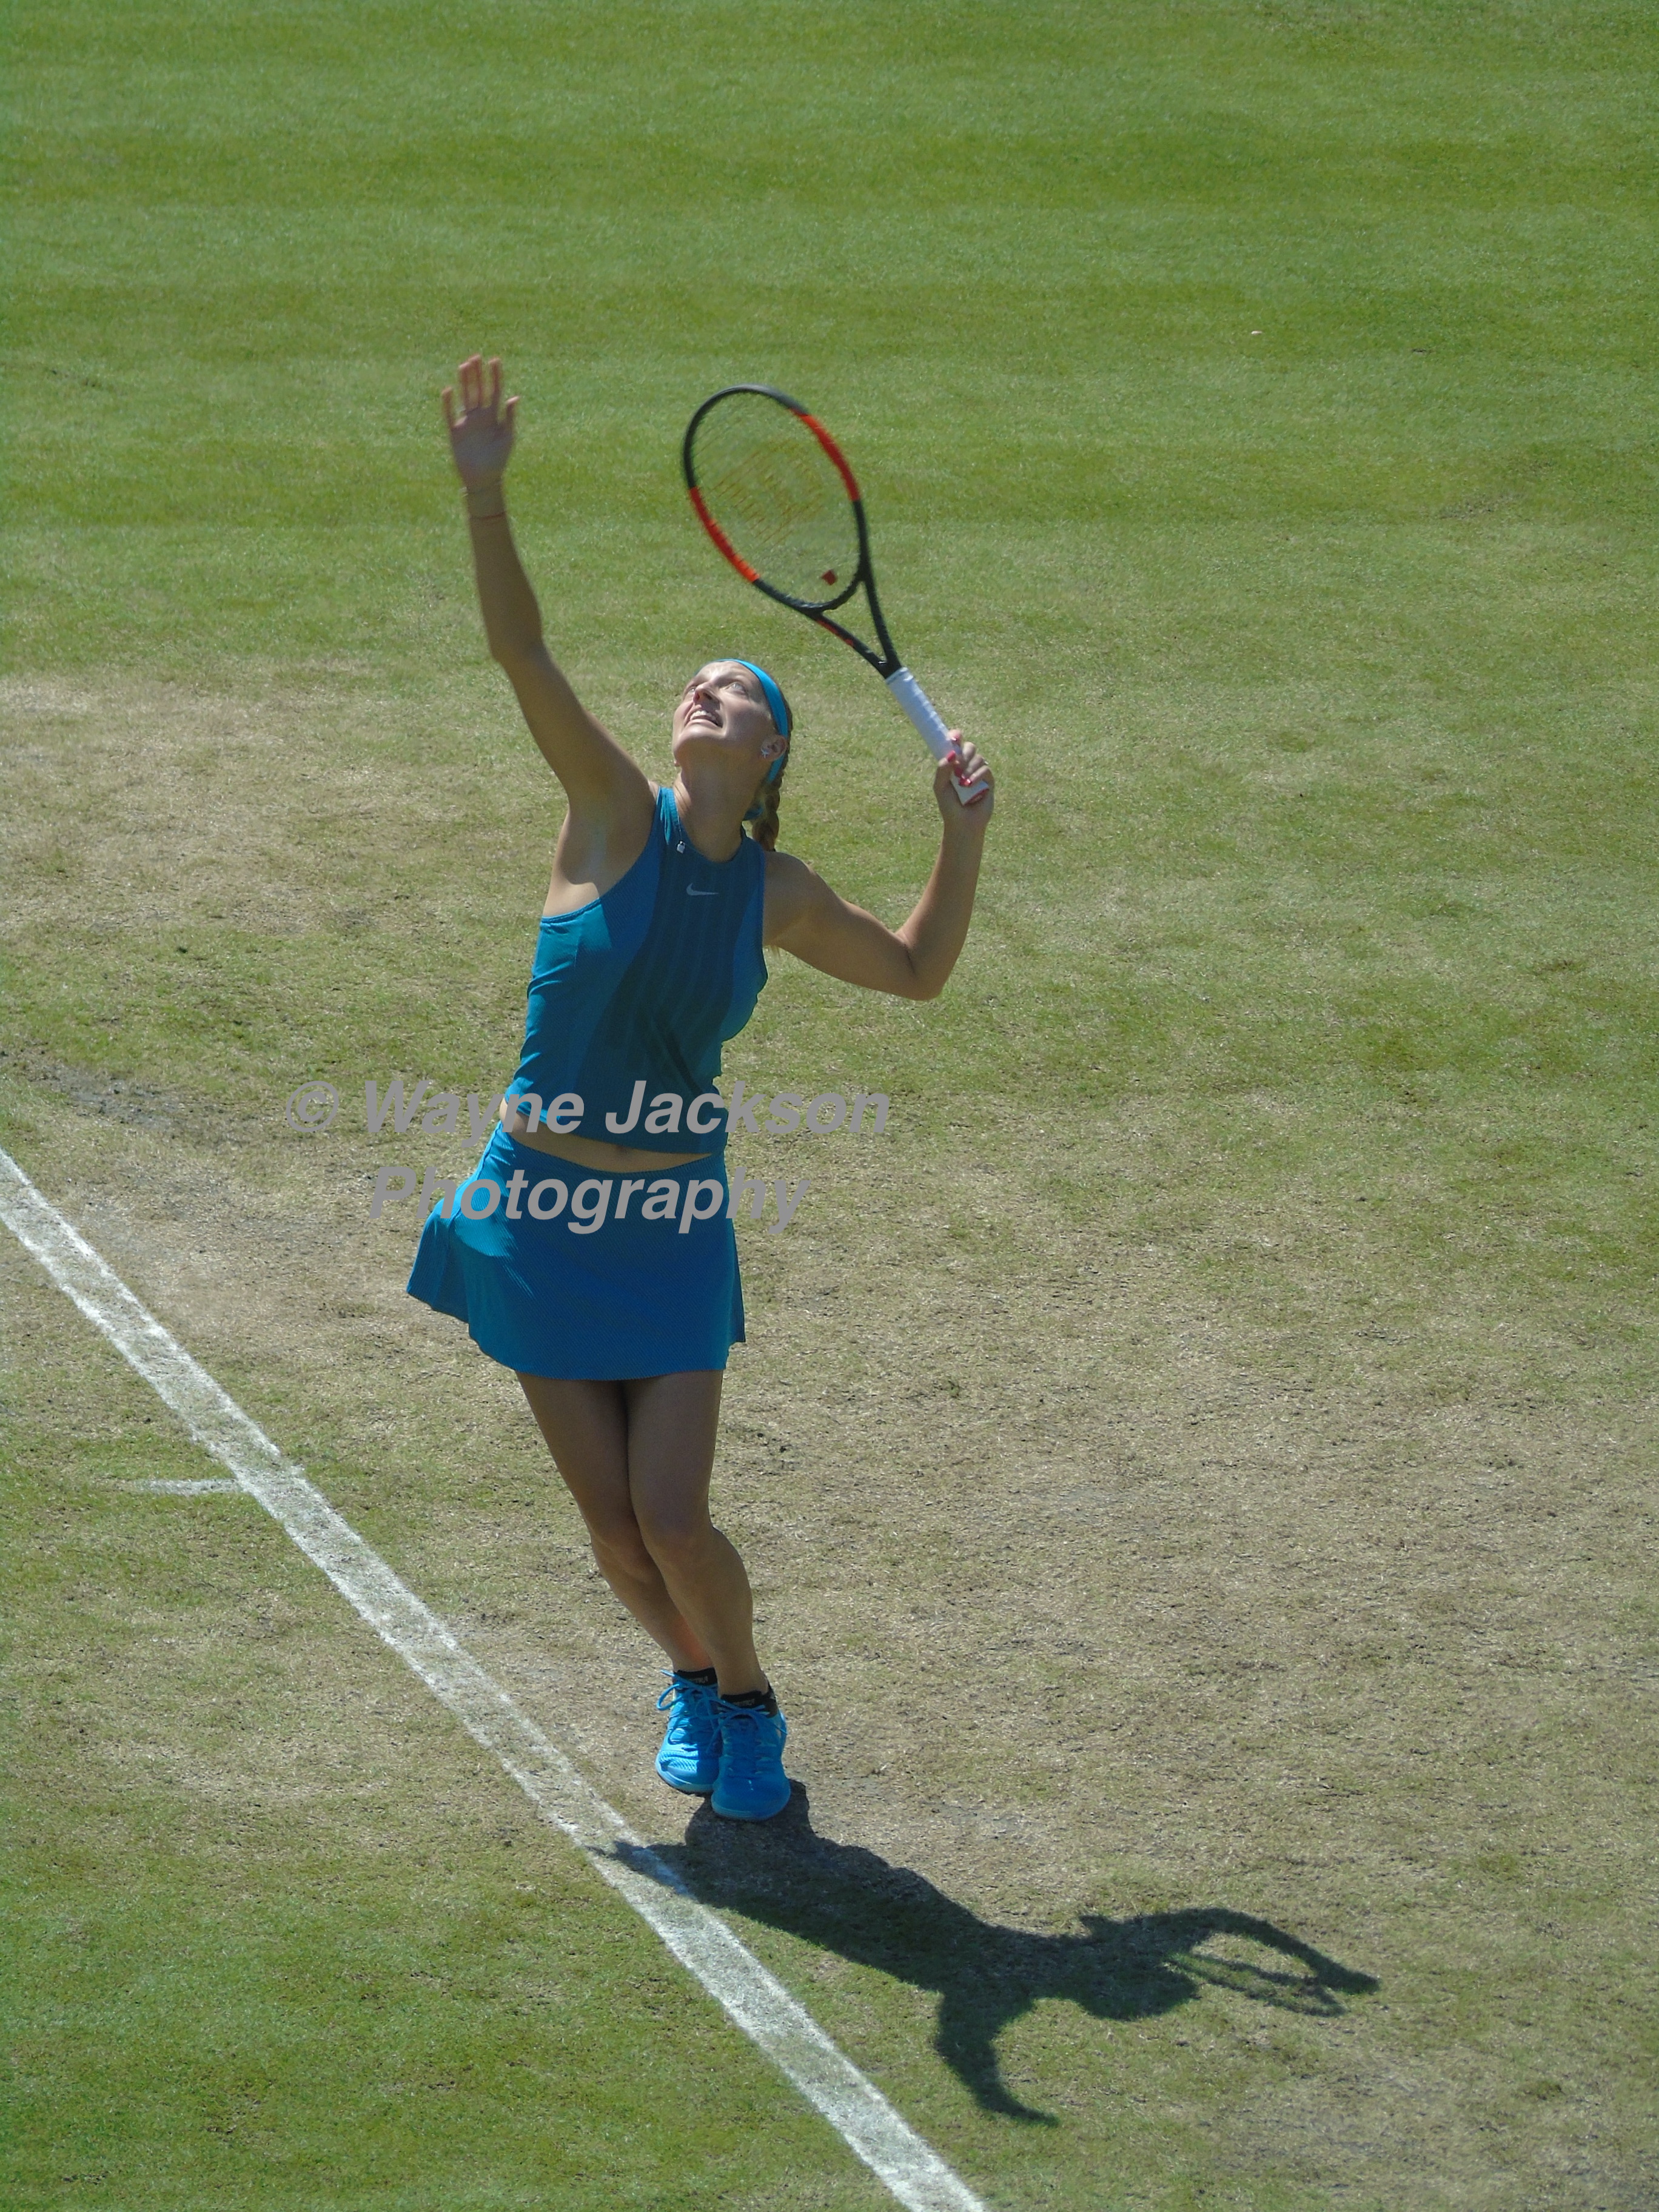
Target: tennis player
605,1275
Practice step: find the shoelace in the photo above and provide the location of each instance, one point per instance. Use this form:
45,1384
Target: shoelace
690,1701
741,1734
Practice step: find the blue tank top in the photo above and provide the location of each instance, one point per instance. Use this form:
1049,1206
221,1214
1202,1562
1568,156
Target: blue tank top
632,996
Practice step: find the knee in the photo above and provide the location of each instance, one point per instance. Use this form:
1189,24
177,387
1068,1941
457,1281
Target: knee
676,1539
620,1549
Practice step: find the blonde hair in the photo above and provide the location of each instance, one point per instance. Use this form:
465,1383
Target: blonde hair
764,812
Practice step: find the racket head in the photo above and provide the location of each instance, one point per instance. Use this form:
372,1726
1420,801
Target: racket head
775,492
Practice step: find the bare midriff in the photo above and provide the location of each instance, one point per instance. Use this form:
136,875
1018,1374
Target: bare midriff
589,1151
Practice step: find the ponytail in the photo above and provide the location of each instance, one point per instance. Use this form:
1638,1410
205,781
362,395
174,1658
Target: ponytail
764,814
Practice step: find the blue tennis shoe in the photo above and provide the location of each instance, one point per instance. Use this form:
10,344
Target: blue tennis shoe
752,1784
690,1756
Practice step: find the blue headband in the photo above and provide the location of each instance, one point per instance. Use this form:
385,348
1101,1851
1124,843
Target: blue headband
781,722
778,705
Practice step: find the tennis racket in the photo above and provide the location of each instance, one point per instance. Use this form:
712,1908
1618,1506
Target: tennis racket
773,490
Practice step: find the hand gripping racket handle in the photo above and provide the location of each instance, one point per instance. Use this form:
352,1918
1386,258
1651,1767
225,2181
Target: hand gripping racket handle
934,735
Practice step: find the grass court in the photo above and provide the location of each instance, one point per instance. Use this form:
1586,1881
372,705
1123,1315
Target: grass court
1193,1462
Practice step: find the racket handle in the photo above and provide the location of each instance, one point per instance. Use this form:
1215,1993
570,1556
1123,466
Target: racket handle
931,724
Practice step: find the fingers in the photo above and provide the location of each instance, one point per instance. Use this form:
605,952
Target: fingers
964,786
968,761
480,385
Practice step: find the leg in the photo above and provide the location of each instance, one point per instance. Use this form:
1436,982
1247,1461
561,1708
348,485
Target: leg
585,1426
671,1424
672,1420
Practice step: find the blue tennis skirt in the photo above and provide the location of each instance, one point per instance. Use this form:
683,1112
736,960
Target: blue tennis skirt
579,1292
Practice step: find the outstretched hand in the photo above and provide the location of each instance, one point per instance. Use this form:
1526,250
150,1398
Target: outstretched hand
481,435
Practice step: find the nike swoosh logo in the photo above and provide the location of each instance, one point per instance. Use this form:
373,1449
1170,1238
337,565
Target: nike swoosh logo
690,893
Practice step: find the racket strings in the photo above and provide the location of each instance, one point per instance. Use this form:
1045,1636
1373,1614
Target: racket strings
778,497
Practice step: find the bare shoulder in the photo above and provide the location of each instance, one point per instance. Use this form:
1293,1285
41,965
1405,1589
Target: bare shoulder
597,844
792,891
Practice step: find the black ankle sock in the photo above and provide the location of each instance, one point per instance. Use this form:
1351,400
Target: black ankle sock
765,1701
704,1677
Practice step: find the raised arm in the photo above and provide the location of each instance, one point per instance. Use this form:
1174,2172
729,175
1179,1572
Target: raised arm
606,790
914,961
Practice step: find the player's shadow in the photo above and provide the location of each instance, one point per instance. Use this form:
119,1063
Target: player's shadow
844,1899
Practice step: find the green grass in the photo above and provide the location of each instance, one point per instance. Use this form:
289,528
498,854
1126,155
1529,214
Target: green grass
243,1970
1255,407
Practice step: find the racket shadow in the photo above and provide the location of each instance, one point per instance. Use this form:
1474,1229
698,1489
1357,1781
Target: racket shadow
846,1900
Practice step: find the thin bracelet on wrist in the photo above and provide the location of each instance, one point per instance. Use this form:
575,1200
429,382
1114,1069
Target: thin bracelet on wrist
495,514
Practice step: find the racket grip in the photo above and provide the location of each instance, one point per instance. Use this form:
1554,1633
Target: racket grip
931,724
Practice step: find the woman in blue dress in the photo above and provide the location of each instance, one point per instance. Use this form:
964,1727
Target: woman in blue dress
603,1272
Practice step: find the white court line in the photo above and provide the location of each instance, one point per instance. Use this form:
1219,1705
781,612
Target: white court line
755,2000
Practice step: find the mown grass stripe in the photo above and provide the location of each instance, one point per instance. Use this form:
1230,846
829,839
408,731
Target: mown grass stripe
753,1998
